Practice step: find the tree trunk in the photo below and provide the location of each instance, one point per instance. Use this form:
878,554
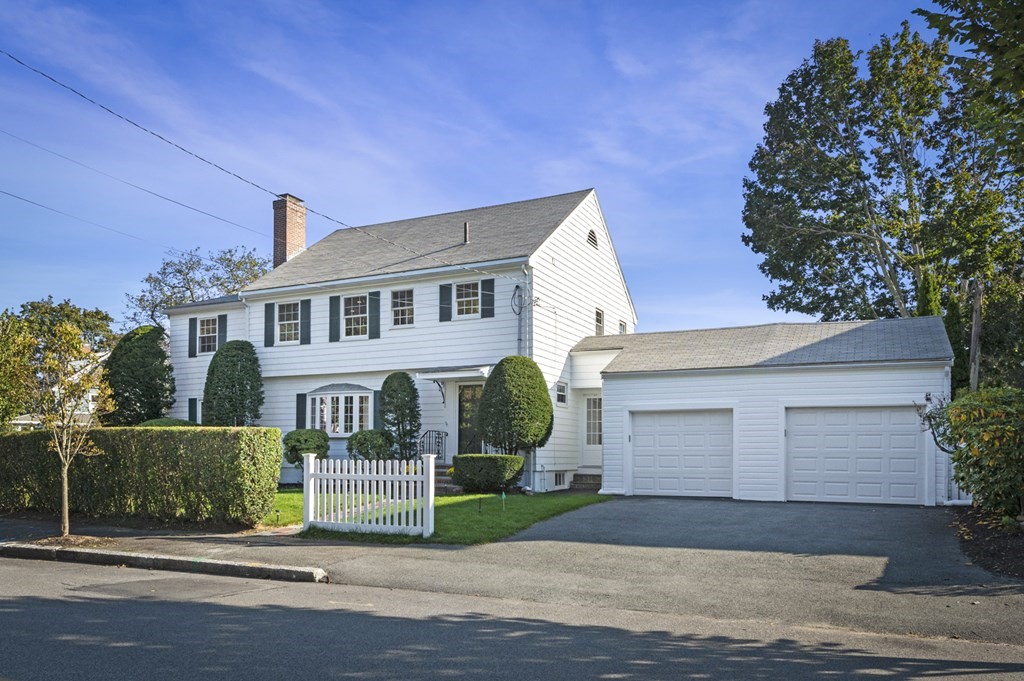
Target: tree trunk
976,300
65,524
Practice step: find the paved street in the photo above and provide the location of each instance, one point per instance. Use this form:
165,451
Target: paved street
82,622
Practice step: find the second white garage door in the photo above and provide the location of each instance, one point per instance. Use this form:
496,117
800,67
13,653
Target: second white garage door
683,453
866,455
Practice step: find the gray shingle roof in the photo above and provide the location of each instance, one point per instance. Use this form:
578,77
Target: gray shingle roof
777,345
233,298
502,232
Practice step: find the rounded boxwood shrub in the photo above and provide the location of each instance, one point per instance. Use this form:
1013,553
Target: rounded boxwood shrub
233,394
167,423
515,409
370,445
487,472
305,441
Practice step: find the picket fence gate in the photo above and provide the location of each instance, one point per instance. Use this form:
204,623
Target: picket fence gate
390,497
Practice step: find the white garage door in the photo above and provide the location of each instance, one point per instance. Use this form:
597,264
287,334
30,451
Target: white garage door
683,453
866,455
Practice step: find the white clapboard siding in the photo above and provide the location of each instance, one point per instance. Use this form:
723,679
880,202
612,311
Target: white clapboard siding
571,280
386,497
758,400
190,372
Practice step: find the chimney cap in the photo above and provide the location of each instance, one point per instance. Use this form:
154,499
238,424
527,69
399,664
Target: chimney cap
286,196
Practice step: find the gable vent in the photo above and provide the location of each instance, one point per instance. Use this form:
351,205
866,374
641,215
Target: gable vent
592,238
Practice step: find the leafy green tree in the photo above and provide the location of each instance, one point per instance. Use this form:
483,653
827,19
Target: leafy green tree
400,413
959,340
41,317
233,395
515,409
993,31
70,393
16,350
189,276
929,303
140,377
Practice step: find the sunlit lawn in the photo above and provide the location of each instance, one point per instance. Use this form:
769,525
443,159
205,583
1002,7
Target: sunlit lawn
458,519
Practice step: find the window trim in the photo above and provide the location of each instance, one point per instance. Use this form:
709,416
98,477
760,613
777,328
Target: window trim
598,322
623,329
200,335
561,396
334,409
593,438
411,308
478,298
297,322
345,316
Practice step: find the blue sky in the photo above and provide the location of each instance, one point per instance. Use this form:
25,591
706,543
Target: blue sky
386,110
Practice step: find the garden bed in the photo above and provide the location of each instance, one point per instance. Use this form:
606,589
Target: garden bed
988,543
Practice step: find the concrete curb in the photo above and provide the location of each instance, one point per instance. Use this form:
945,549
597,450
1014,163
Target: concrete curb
148,561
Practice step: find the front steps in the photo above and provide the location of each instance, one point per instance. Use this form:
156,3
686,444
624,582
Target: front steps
585,483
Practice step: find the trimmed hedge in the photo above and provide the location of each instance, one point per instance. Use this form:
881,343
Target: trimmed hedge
191,474
166,422
487,472
305,441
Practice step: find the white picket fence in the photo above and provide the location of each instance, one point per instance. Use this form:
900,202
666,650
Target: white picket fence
390,497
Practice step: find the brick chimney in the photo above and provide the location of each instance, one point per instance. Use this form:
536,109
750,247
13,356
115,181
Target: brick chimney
289,228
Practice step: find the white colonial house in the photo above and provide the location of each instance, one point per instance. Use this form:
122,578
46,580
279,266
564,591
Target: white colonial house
783,412
443,298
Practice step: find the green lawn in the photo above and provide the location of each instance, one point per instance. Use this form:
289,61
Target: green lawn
459,519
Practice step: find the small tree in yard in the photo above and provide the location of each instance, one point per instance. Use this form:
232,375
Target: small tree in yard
400,413
233,395
66,380
515,409
140,378
16,348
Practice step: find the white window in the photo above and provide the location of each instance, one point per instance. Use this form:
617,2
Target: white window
622,327
356,316
288,322
467,299
593,420
401,308
340,415
561,394
598,323
208,335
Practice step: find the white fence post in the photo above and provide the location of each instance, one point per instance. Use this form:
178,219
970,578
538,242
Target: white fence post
308,496
428,494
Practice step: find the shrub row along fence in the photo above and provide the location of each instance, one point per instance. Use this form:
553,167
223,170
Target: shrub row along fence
193,474
389,497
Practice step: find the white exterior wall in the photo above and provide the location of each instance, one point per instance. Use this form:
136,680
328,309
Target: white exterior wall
190,372
758,400
570,279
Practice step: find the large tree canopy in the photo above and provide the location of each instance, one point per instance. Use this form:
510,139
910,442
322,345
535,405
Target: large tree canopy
140,378
188,277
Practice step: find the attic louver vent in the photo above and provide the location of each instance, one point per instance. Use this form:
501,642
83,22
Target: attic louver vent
592,238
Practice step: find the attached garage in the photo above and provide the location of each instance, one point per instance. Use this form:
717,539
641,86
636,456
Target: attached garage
822,412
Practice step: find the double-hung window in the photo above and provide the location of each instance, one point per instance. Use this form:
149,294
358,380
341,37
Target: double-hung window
288,322
467,299
401,308
208,335
561,394
341,414
356,316
598,322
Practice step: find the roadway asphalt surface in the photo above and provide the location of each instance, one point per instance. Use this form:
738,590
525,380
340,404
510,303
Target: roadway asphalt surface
75,622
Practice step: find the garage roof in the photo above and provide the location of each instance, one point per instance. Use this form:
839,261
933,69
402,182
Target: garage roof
777,345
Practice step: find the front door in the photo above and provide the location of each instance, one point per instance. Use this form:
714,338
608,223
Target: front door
469,401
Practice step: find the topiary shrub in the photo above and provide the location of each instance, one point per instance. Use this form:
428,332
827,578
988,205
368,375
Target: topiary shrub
305,441
233,395
400,413
140,377
986,431
487,472
515,410
167,423
370,445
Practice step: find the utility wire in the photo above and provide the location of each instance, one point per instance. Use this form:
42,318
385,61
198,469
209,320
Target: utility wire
248,181
132,184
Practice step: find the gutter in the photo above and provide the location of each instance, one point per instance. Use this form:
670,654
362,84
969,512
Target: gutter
928,363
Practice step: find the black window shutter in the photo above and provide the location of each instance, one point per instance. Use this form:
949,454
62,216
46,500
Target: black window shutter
487,298
373,301
193,409
376,410
193,336
269,324
222,330
446,303
335,325
304,309
300,410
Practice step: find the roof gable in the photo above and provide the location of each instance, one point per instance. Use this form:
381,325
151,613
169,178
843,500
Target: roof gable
777,345
503,232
